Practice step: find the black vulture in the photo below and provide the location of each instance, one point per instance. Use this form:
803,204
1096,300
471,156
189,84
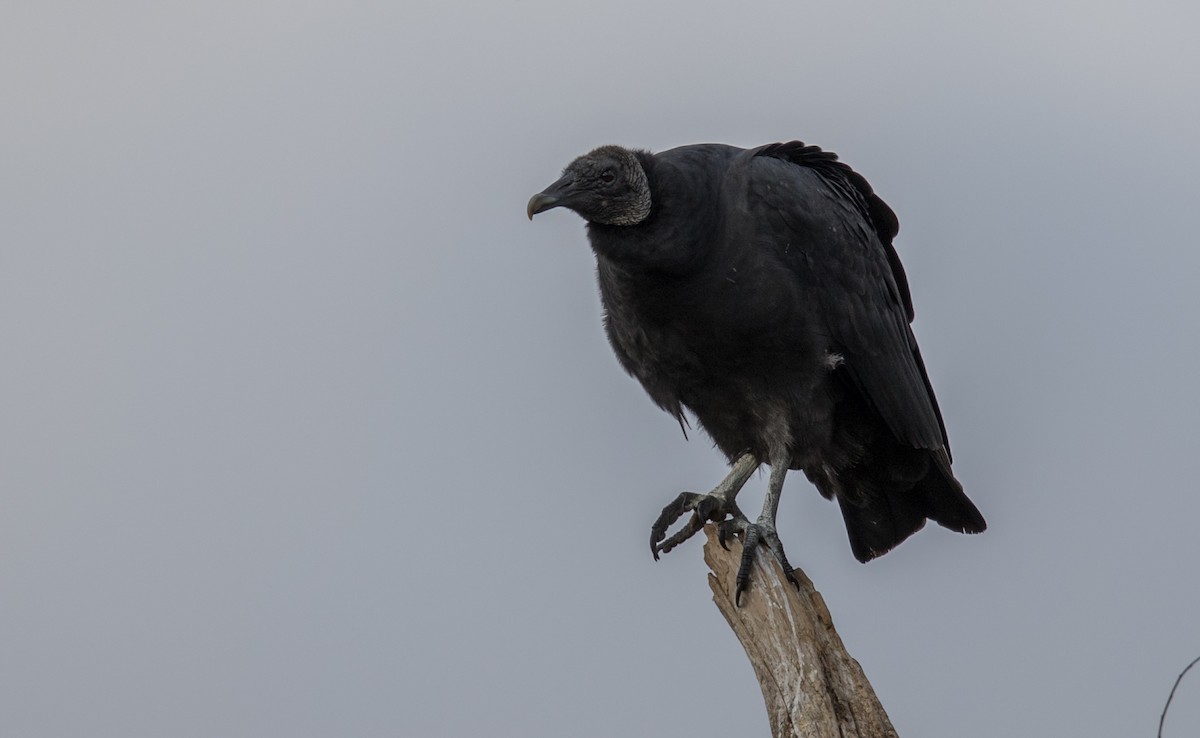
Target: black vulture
759,290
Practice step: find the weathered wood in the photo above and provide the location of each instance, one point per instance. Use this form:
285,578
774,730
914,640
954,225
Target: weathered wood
811,685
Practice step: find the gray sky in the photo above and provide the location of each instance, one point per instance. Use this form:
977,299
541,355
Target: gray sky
306,431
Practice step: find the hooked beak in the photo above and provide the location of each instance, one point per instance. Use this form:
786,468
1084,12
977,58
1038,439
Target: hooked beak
551,197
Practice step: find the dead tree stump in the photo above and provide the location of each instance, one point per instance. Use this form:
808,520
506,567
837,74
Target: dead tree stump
811,685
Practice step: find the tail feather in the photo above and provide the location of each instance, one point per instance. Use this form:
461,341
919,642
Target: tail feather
881,508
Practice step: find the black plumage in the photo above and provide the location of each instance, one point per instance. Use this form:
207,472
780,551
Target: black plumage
759,290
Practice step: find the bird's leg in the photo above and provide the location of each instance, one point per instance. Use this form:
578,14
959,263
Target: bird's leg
715,506
762,531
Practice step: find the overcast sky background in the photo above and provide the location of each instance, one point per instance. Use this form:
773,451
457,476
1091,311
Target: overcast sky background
306,431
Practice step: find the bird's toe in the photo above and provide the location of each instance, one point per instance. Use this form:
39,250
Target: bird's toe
702,508
753,535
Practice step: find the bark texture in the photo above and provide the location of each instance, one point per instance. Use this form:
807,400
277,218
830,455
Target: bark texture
811,685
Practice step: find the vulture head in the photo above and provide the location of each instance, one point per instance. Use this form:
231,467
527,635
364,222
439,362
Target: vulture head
607,186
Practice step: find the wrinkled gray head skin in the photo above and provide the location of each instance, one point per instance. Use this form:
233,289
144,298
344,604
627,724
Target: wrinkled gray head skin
607,185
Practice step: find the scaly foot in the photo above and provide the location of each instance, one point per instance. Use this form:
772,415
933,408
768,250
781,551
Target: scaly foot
753,535
702,507
716,506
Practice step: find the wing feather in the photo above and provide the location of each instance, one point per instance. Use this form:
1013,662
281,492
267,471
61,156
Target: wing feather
835,235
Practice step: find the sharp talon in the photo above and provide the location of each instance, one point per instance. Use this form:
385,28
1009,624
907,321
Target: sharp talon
728,529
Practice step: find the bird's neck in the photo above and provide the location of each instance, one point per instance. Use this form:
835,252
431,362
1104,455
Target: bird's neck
672,239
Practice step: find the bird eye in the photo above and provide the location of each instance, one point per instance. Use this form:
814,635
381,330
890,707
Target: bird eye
607,176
